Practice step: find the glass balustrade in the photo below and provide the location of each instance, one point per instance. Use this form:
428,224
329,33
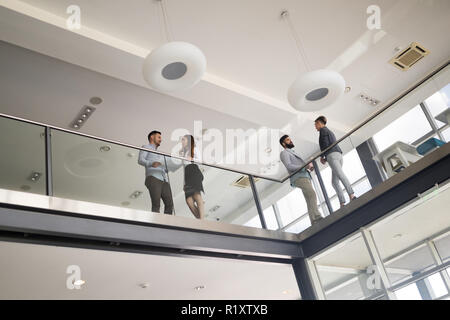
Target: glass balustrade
93,170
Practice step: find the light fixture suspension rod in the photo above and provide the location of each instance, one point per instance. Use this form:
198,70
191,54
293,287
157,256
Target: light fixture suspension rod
165,20
298,42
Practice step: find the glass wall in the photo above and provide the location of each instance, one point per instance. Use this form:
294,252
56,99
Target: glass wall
413,245
345,271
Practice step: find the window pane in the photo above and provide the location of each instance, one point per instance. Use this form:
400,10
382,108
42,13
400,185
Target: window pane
409,292
437,285
401,237
362,187
353,167
344,271
446,134
408,128
271,220
300,226
443,247
292,206
254,222
438,102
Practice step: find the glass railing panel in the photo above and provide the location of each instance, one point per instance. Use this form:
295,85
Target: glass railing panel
22,160
91,170
343,174
201,191
285,206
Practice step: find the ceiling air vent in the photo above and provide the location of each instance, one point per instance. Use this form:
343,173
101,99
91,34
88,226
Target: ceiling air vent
409,57
243,182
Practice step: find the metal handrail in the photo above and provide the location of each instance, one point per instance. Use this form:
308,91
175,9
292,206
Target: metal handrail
309,160
2,115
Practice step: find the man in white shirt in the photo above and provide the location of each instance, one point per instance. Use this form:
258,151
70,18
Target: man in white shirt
156,180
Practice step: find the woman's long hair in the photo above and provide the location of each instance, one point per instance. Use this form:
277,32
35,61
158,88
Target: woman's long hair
191,144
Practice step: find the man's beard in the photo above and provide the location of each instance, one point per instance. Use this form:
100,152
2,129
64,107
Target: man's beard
290,146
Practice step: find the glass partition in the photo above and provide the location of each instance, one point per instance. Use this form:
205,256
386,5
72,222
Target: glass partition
91,170
22,160
226,196
345,271
412,243
285,205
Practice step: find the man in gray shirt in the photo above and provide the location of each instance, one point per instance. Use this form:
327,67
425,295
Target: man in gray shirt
156,179
302,179
335,160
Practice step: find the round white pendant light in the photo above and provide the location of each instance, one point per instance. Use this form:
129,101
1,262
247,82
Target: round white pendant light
316,90
313,90
175,66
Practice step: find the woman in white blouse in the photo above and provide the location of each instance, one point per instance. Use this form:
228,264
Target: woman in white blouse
193,177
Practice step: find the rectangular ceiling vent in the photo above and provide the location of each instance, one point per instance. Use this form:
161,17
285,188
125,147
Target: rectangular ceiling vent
243,182
409,57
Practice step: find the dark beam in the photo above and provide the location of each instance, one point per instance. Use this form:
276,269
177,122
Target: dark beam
55,224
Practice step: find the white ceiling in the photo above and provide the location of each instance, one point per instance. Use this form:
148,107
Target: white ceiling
251,56
39,272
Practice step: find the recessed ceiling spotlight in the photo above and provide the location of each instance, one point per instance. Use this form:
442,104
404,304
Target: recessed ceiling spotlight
370,100
198,288
348,89
35,176
96,100
135,194
105,148
397,236
82,117
144,285
79,282
214,209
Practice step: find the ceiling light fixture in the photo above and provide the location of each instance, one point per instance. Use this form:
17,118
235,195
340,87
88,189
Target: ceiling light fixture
105,148
198,288
135,194
214,209
82,117
175,65
96,100
313,90
367,99
144,285
35,176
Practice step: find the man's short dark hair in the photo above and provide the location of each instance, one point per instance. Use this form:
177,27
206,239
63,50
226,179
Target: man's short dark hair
283,138
152,133
321,119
